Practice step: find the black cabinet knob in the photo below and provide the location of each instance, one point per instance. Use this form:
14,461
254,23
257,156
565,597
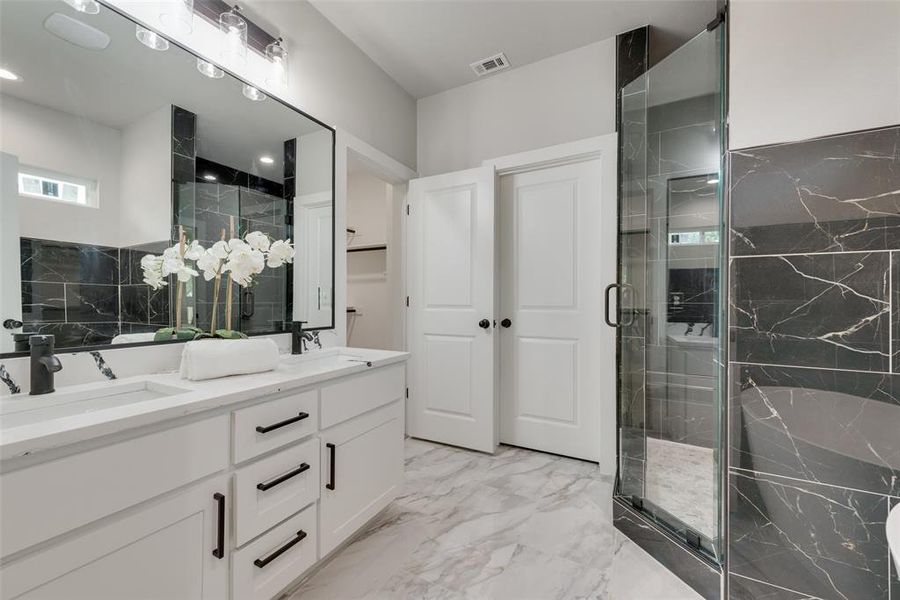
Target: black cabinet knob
506,323
484,324
12,324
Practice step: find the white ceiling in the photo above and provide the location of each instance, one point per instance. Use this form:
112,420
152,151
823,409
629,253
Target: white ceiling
427,45
126,81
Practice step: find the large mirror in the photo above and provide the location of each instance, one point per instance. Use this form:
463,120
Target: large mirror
113,151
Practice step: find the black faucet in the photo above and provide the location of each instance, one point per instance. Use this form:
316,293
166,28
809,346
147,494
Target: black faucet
43,364
297,341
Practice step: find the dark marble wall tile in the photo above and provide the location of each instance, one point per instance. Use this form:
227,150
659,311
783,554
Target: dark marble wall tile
702,577
47,260
265,186
182,169
632,55
741,588
43,302
183,132
135,301
833,427
827,310
823,541
89,303
290,158
895,307
833,194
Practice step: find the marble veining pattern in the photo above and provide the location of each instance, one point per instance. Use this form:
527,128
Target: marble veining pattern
681,480
824,541
827,310
815,306
835,194
520,525
104,369
7,379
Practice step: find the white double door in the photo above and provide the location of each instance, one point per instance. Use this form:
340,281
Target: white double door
506,279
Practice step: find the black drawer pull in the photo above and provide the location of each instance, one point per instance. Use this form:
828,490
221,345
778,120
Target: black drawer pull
268,485
280,424
262,562
219,550
333,451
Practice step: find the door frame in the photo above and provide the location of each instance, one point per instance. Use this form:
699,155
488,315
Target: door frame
348,146
603,147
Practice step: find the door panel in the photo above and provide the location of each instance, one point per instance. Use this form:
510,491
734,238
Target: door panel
451,286
553,372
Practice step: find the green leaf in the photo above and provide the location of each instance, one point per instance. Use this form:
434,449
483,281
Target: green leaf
230,334
164,334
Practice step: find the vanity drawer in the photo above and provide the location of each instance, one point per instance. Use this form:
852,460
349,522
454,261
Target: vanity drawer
265,567
354,396
264,427
269,491
46,500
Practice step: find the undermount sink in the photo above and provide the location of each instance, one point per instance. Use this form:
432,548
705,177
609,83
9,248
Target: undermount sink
28,410
322,361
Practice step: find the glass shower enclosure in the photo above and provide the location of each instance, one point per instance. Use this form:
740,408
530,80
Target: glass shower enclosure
671,315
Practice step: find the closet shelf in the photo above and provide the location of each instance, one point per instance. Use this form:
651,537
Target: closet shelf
366,248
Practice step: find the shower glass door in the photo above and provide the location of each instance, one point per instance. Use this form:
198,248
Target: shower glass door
671,312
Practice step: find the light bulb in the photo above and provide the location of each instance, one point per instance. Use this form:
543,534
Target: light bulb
89,7
253,93
151,39
209,70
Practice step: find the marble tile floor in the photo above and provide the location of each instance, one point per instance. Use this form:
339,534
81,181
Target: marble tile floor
681,479
518,525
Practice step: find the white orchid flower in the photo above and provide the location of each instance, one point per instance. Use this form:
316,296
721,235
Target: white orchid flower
219,250
184,273
258,240
280,252
209,264
238,245
154,279
243,263
193,251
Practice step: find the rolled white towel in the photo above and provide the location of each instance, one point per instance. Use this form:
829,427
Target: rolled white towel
210,359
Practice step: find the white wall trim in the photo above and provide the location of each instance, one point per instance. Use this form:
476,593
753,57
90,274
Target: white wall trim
551,156
386,168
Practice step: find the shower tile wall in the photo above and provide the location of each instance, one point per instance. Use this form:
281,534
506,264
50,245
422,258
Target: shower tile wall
85,295
815,375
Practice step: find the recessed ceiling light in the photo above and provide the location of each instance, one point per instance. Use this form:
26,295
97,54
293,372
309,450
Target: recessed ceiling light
267,160
151,39
712,179
209,177
252,93
8,75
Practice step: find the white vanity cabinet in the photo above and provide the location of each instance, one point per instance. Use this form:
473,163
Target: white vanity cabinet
238,504
167,549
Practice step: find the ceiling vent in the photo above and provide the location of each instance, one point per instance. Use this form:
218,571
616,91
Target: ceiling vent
489,65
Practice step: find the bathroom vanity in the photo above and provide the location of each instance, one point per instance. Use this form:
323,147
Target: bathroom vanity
229,488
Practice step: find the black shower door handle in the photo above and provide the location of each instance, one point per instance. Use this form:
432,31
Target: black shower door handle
626,288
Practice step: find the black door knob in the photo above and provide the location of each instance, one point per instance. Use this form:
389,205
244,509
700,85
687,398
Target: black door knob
506,323
484,324
12,324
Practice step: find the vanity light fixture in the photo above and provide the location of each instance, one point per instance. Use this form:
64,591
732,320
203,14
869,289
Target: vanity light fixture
252,93
209,177
267,160
8,75
235,30
89,7
177,16
151,39
209,70
277,56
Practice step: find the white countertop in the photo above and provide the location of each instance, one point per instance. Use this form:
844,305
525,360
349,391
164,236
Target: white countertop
294,371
